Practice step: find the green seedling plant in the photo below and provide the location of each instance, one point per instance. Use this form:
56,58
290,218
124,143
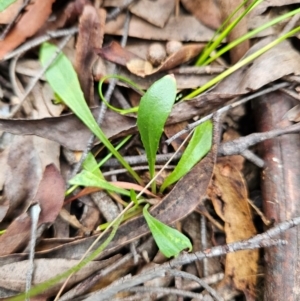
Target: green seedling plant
159,98
64,81
154,109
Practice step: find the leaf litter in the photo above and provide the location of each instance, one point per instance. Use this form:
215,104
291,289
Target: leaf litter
35,170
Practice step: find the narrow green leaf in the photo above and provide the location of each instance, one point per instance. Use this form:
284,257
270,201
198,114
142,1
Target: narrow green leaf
5,3
90,164
64,81
197,148
169,241
154,109
88,179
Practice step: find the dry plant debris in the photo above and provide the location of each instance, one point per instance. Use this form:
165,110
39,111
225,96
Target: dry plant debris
43,144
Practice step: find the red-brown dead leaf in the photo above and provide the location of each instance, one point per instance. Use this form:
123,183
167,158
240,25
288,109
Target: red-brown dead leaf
16,236
30,22
183,55
91,31
228,194
50,196
115,53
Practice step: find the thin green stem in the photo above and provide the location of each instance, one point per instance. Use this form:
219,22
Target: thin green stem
251,34
241,63
127,81
201,61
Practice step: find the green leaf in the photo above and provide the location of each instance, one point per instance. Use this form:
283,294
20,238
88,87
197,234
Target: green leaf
154,109
64,81
5,3
197,148
90,164
88,179
169,241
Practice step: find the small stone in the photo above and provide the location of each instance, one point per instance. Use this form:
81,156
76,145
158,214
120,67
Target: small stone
173,46
156,54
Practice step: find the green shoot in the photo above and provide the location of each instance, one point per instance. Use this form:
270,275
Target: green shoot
241,63
126,80
154,109
206,53
197,148
64,81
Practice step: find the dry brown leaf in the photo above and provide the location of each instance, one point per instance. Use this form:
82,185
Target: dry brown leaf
138,66
181,28
228,194
90,36
206,11
50,196
67,130
261,8
115,53
34,17
160,11
183,55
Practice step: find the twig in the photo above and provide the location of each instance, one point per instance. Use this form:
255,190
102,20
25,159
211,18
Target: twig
142,159
86,284
39,40
39,75
259,241
165,291
202,283
240,145
12,22
227,108
144,167
34,214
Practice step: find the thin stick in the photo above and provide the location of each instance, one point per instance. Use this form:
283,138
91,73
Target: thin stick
227,108
39,75
34,214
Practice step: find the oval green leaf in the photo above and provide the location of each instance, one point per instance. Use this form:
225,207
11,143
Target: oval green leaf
169,241
154,109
